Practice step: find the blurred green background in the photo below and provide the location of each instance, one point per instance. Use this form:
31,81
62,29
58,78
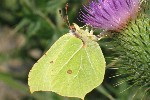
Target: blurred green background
27,29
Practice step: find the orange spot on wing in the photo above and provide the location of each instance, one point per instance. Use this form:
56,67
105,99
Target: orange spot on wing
51,61
69,71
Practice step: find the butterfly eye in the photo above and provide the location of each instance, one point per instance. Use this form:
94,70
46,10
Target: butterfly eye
73,29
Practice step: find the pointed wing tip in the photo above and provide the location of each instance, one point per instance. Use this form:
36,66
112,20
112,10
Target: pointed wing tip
32,91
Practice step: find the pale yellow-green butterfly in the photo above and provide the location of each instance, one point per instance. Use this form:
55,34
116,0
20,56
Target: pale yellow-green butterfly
72,67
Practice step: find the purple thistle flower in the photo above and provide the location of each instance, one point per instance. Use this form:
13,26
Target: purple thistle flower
110,14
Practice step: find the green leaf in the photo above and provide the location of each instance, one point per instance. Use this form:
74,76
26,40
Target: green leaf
7,79
72,67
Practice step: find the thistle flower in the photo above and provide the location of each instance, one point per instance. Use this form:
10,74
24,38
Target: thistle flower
110,14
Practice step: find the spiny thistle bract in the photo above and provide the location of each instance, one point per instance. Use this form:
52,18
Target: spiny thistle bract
133,46
133,39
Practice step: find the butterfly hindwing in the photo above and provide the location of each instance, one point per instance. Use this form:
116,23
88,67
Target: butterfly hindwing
71,67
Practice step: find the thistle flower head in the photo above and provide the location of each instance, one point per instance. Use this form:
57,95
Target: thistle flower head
110,14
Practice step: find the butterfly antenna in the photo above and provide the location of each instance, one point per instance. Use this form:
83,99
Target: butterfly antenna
60,12
67,19
63,17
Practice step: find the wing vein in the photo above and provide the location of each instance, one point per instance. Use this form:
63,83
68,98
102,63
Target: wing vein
70,59
90,62
48,68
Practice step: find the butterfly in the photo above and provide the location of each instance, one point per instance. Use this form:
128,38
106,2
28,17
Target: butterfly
73,66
